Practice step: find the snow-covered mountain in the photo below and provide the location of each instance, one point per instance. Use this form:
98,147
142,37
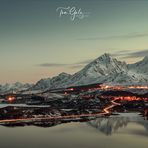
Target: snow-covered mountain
104,69
15,87
140,67
57,81
100,70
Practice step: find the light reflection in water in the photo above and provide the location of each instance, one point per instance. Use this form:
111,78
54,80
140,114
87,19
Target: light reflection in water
126,131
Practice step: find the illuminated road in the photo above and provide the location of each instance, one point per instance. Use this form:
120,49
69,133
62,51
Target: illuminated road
49,118
106,111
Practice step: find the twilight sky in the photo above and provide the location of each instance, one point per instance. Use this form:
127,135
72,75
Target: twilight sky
35,42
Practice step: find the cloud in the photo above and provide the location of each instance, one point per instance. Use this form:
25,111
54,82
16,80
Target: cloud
121,53
52,65
71,66
130,54
124,36
85,61
138,54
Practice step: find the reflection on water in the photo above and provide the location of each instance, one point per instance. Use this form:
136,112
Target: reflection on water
109,125
126,130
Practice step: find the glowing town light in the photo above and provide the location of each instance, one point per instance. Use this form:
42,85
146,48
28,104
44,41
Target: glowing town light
65,93
138,87
70,89
106,87
10,98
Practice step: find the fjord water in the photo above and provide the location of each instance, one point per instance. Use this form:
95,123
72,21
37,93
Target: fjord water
119,131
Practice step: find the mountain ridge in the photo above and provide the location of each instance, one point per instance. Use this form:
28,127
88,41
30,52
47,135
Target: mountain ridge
104,69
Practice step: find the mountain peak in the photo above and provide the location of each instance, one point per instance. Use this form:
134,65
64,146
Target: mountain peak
145,58
106,56
64,74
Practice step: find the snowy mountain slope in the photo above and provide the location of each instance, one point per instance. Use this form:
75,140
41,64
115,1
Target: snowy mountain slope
42,84
140,67
109,70
54,82
14,87
104,69
98,70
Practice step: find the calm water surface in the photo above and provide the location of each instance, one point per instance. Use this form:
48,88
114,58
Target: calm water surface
126,131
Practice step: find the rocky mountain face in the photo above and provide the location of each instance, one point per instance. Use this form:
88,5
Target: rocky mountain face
99,70
57,81
104,69
140,67
14,87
